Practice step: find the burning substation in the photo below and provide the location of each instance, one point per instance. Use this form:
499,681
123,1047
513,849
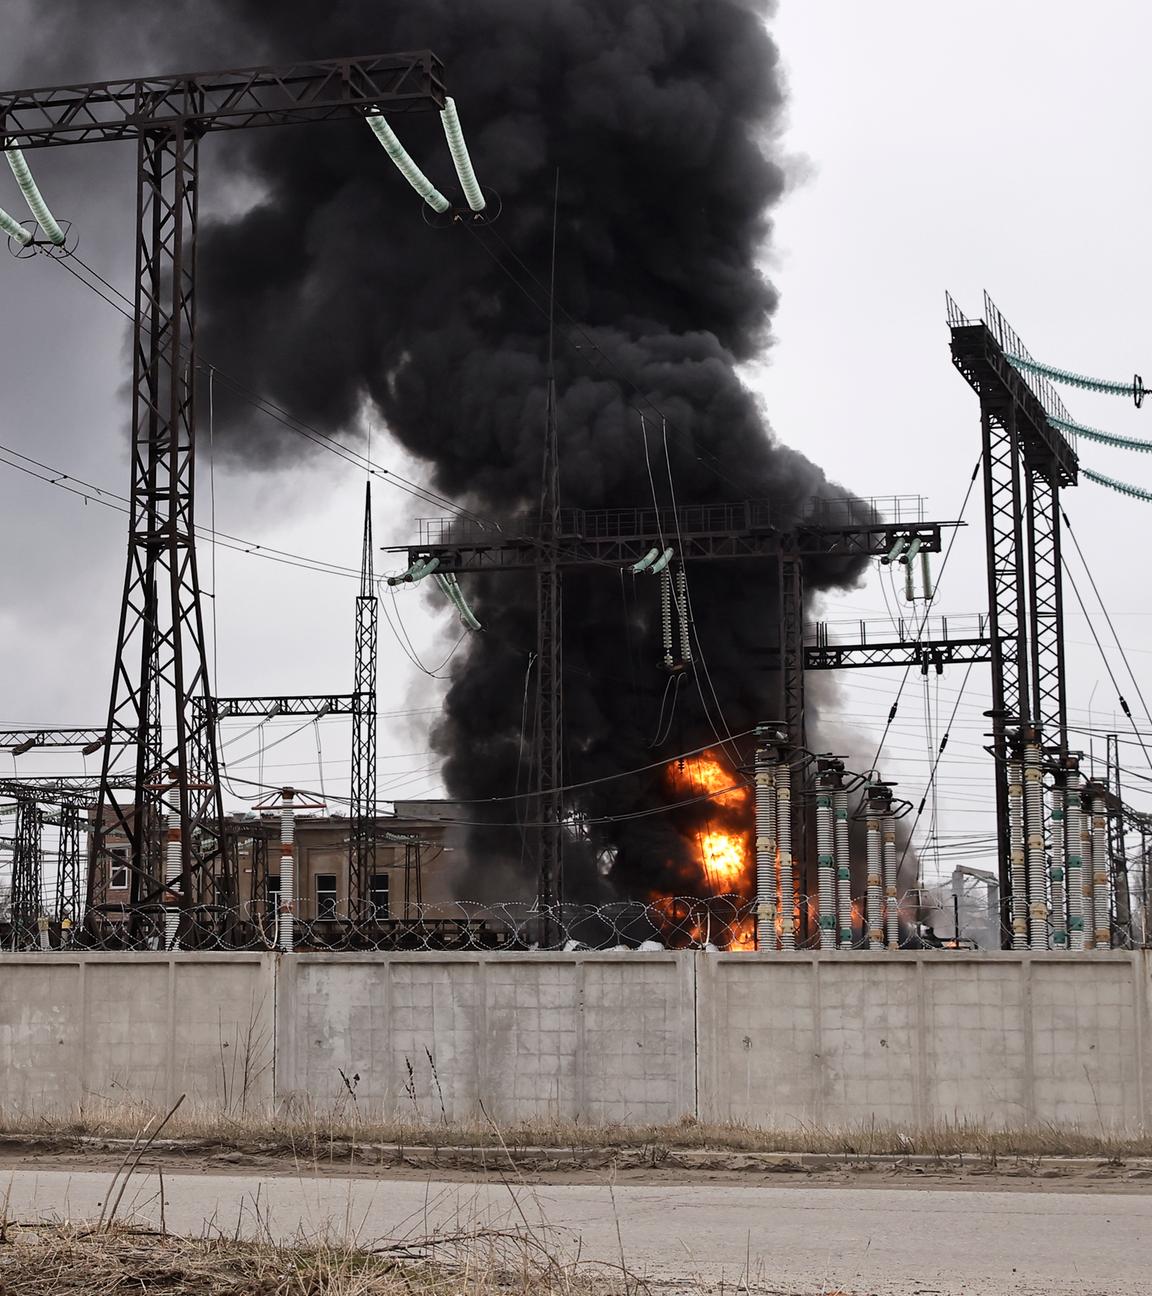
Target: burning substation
541,273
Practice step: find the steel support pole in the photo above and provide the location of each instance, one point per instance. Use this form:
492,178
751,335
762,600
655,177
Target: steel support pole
72,838
362,825
549,728
1007,621
161,666
26,901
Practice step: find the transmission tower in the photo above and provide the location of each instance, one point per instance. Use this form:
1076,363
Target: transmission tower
160,680
362,834
1027,460
27,861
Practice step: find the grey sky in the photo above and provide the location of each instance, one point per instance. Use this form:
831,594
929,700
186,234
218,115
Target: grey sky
997,145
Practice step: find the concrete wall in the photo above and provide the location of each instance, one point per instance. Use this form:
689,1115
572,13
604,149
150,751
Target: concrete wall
775,1040
589,1037
913,1039
78,1029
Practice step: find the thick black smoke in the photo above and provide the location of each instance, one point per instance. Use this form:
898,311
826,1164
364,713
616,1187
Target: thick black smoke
659,116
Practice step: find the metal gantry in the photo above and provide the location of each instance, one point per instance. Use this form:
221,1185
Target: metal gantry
1026,461
571,538
161,667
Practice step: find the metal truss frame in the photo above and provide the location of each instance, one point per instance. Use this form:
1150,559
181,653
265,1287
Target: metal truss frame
160,678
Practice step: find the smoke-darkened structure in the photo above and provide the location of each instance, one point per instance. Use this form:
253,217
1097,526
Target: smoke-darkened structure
331,289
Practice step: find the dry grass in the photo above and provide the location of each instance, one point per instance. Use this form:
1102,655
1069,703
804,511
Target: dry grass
350,1129
47,1260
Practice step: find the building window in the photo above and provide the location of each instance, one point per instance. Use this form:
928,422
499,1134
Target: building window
272,891
118,879
325,895
378,895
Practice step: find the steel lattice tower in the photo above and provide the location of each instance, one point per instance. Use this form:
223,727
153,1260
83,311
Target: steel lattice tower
160,684
1026,461
362,833
72,835
27,860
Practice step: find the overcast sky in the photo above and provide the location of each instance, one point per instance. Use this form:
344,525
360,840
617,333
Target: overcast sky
996,145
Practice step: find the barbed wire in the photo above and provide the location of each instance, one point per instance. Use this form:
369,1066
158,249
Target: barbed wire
726,922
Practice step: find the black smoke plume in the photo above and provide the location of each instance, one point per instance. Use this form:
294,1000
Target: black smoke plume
659,118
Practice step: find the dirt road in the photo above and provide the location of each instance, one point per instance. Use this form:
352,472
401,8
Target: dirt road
888,1241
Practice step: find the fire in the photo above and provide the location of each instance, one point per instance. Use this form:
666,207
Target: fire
723,856
693,775
719,830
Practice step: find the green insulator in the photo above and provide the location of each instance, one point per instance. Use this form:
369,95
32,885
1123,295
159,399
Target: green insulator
1070,379
1134,491
645,562
460,159
421,569
451,587
661,562
12,227
404,164
1095,434
32,196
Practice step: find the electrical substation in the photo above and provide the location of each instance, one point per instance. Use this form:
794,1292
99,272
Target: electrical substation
803,852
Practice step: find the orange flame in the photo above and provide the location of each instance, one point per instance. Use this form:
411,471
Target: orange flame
722,856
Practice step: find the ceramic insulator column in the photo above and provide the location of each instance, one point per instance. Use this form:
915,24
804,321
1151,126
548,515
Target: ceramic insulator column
784,840
1016,855
1088,887
1100,895
1073,821
286,929
826,863
682,614
872,917
843,869
765,848
1056,880
666,615
1034,848
891,899
173,838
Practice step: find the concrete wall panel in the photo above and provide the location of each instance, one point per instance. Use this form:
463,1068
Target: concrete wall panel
905,1039
81,1029
529,1036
